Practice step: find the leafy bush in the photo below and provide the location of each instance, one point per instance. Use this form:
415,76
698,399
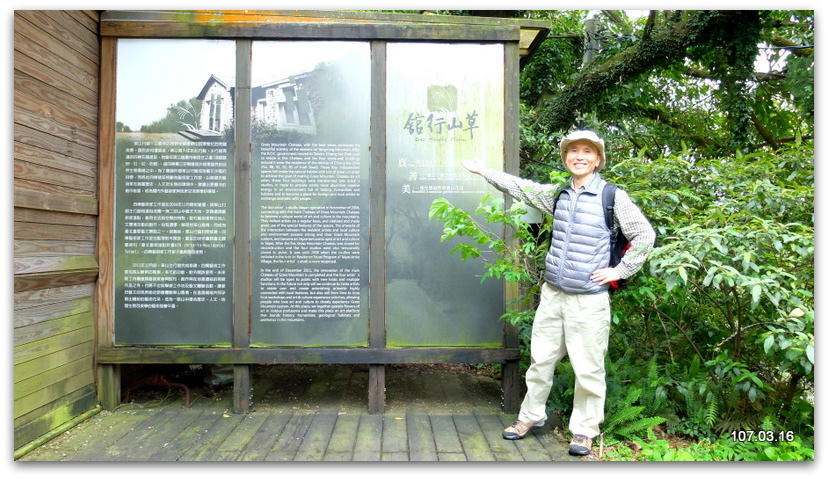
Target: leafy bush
723,449
718,330
727,301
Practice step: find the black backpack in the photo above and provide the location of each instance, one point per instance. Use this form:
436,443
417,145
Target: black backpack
619,244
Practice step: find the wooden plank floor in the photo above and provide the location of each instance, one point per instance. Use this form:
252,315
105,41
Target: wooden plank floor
311,413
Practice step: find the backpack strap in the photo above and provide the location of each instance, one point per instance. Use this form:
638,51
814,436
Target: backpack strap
608,199
557,197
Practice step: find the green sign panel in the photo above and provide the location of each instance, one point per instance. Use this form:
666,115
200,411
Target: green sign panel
445,105
173,240
310,194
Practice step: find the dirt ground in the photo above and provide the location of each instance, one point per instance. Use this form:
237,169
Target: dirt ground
406,384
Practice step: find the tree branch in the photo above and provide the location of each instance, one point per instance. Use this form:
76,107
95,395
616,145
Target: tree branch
665,46
648,27
742,330
793,47
763,132
614,17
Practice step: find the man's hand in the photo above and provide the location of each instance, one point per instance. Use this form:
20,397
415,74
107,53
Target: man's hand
605,275
473,166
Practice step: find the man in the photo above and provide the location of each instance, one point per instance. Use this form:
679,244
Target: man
573,316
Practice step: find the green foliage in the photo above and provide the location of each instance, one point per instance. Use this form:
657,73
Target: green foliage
800,82
514,248
729,289
623,419
725,448
518,254
683,81
718,396
729,55
557,59
791,339
184,115
636,397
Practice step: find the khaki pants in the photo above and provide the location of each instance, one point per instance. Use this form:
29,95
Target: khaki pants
577,324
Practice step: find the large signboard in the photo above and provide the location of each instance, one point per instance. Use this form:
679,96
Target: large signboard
310,193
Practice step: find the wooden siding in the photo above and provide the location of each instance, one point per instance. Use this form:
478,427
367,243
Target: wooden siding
56,70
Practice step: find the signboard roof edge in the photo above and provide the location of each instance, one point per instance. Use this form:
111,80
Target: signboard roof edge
344,24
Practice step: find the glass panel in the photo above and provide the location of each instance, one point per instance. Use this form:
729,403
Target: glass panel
174,192
310,193
445,105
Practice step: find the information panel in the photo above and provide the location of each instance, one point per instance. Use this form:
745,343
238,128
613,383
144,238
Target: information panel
173,196
445,105
310,193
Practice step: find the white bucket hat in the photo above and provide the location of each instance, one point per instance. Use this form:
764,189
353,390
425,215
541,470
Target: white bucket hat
589,136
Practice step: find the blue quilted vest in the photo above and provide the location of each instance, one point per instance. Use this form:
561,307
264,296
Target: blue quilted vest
580,240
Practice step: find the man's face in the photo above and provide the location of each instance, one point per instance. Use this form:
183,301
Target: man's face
582,158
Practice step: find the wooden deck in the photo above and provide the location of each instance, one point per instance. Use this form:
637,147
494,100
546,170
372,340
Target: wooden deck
311,413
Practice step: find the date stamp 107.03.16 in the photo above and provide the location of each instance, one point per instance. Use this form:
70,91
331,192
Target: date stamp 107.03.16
762,436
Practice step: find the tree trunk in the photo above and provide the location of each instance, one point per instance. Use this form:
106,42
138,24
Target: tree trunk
667,44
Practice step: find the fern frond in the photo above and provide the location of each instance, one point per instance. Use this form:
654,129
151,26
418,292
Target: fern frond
620,417
636,427
711,413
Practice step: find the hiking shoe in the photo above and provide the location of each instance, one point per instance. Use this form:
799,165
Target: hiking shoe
580,445
519,429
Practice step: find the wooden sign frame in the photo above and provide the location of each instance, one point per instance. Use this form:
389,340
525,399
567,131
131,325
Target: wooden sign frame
519,38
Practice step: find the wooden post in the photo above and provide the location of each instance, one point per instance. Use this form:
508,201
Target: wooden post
109,380
109,386
241,264
242,388
376,389
376,319
510,381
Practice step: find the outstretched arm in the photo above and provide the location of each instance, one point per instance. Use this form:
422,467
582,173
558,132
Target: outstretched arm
538,195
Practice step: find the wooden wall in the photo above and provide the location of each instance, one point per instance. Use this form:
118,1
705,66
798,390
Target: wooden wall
56,81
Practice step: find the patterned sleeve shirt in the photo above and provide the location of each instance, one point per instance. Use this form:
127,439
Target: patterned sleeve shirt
628,216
